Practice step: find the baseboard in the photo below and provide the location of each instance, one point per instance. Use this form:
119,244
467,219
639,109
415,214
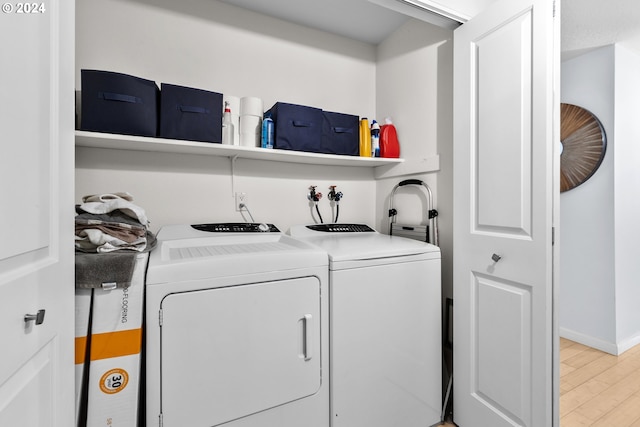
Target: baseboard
590,341
607,347
628,343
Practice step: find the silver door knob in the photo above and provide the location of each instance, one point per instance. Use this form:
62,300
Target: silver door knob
496,257
38,317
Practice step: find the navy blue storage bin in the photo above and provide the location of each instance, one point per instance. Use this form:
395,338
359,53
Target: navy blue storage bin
119,103
340,134
192,114
296,127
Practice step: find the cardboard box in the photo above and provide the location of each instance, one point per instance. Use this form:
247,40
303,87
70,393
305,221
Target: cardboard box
115,352
83,312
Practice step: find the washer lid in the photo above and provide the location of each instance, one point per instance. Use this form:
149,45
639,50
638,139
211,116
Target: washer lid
359,249
185,253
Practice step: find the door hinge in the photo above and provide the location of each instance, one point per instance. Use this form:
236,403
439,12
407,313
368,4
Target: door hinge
554,8
160,421
553,236
160,317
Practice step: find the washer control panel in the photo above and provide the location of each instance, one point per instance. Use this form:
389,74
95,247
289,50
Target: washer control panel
341,228
237,227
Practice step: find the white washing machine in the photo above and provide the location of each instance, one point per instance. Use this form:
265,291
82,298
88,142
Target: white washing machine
236,328
385,334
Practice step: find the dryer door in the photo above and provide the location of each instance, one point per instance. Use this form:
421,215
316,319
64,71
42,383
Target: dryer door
231,352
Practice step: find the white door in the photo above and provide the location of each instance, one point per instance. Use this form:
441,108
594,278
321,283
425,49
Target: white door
36,217
249,348
505,63
385,345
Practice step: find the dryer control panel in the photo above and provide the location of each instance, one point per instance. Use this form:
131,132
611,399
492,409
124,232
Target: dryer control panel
341,228
237,227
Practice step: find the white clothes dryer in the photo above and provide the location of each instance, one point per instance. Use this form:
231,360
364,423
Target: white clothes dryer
385,333
236,328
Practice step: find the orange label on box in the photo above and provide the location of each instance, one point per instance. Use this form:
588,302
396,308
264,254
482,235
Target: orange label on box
116,344
81,349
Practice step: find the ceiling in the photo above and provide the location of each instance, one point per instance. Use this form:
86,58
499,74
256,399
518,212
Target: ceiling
586,24
355,19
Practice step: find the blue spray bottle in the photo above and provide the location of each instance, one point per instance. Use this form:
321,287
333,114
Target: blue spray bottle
267,132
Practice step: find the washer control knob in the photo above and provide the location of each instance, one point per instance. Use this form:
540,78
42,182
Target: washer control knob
263,227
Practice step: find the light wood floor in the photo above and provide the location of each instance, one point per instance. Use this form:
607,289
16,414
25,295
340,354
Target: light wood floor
598,389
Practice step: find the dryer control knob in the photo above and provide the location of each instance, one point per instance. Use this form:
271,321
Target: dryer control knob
263,227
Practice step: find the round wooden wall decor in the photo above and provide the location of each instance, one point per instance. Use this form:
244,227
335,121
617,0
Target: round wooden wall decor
583,145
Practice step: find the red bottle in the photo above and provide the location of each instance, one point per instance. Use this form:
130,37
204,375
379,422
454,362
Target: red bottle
389,145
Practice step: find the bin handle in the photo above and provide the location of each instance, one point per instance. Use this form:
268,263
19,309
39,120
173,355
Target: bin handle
110,96
342,130
191,109
300,123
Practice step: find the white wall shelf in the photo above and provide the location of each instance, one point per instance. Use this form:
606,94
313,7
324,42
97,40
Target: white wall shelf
140,143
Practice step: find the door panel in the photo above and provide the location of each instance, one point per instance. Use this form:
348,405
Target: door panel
504,107
29,135
231,352
36,227
33,382
502,346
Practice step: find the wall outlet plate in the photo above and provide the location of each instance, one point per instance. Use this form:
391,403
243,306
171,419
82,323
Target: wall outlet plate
241,198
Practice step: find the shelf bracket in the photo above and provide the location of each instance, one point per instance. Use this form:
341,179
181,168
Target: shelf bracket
233,174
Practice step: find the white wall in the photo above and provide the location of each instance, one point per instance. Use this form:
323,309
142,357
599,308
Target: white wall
415,87
216,46
183,189
627,202
587,280
599,271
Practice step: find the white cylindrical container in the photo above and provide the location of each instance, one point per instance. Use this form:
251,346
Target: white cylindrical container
250,131
251,106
